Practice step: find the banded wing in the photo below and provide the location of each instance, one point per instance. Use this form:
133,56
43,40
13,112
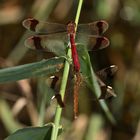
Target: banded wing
106,73
92,42
93,28
106,91
58,97
41,27
56,43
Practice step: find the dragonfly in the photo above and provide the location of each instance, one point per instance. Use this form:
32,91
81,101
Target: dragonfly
55,37
102,76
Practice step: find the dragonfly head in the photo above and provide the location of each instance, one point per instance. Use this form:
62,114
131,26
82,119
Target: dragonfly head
71,27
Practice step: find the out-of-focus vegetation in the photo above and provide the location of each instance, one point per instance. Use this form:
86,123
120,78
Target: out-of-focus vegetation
20,103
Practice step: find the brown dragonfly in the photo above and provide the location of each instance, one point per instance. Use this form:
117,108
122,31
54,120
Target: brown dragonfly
54,37
102,75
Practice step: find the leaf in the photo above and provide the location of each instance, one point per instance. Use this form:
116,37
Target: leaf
32,133
41,68
91,80
87,71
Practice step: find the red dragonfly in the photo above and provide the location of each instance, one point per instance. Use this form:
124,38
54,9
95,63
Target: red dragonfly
56,38
48,33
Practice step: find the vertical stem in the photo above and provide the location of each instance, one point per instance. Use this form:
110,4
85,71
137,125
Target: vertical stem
64,82
78,13
62,92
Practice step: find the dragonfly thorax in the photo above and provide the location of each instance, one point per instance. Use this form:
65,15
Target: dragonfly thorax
71,28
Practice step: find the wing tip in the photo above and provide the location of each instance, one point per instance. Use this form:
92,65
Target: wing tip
30,23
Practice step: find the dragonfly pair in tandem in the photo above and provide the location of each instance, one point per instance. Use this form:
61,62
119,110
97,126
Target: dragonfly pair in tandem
56,38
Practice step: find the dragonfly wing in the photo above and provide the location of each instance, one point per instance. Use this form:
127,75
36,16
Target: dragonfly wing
107,73
93,28
49,43
103,75
58,97
106,91
41,27
92,42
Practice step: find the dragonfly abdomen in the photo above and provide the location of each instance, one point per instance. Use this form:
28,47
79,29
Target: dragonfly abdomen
74,54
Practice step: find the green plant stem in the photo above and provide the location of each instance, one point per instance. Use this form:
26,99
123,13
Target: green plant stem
78,13
62,92
64,82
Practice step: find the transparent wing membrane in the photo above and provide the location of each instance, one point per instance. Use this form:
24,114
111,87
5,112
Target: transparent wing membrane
92,42
93,28
107,72
41,27
52,37
49,43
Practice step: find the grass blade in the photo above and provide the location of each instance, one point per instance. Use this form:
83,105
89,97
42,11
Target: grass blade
41,68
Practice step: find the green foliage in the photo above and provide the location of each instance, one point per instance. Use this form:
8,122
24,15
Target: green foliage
42,68
88,72
48,67
35,133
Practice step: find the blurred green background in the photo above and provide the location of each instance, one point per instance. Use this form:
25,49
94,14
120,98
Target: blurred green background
123,17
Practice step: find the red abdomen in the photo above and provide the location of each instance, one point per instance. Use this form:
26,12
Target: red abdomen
74,54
